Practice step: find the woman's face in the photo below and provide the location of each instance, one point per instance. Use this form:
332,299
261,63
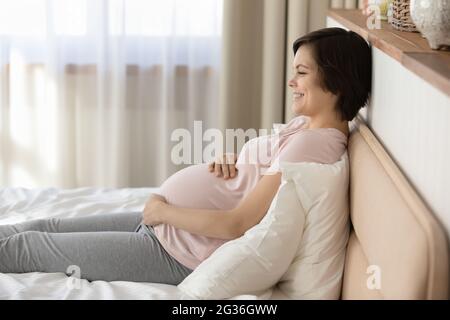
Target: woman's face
309,98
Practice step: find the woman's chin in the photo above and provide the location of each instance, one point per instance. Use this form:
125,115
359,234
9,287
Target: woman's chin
297,110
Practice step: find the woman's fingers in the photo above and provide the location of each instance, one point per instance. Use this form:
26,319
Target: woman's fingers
232,170
218,169
228,161
157,197
224,166
233,165
226,173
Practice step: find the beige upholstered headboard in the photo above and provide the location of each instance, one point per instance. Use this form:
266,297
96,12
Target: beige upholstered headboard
395,238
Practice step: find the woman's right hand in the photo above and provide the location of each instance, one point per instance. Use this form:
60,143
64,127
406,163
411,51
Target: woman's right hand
224,166
153,210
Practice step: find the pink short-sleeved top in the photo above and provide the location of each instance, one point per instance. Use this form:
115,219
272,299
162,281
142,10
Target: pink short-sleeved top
196,187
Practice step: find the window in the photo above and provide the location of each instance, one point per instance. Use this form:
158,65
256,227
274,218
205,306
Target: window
78,25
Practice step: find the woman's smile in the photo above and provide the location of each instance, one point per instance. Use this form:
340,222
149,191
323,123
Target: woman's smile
298,95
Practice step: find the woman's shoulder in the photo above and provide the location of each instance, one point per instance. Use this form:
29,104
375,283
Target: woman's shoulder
322,145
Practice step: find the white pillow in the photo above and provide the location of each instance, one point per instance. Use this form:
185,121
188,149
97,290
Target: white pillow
316,272
301,241
254,262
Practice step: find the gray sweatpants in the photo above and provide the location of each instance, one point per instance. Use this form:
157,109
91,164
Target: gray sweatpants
109,247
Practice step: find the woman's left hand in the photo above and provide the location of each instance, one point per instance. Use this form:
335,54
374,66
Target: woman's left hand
153,211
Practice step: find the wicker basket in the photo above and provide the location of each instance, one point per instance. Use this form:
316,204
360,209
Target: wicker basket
401,18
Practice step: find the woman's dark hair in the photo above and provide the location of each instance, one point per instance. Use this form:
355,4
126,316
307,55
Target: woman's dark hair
344,62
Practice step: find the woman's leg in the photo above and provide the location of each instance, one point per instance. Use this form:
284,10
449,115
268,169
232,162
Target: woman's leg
125,222
108,256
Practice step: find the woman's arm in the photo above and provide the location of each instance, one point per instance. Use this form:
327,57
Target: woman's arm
223,224
209,223
254,207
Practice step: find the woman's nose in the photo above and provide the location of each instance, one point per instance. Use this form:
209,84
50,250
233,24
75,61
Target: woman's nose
291,83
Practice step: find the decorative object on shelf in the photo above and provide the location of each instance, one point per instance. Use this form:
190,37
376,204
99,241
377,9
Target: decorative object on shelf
383,6
401,18
389,11
432,19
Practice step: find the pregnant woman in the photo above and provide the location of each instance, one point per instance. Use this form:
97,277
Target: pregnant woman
201,207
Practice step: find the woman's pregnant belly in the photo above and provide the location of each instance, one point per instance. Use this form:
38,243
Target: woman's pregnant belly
196,187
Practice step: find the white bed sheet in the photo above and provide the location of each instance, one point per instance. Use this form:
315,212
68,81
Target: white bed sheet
20,204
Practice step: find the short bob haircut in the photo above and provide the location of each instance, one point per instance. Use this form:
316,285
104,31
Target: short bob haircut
344,61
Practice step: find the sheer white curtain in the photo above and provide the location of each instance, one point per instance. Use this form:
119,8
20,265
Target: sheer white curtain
91,90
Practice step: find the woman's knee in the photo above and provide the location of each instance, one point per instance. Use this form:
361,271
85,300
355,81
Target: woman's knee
32,225
25,238
18,251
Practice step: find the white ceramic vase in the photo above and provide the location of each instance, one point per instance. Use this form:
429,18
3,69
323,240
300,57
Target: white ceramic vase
432,19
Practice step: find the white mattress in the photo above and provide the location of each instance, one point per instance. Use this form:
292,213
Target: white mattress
19,204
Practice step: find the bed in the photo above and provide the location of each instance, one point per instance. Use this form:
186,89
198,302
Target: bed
395,239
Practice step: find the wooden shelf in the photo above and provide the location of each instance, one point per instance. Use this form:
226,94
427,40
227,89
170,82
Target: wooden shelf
408,48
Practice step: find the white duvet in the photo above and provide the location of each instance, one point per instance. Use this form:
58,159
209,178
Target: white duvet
19,204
